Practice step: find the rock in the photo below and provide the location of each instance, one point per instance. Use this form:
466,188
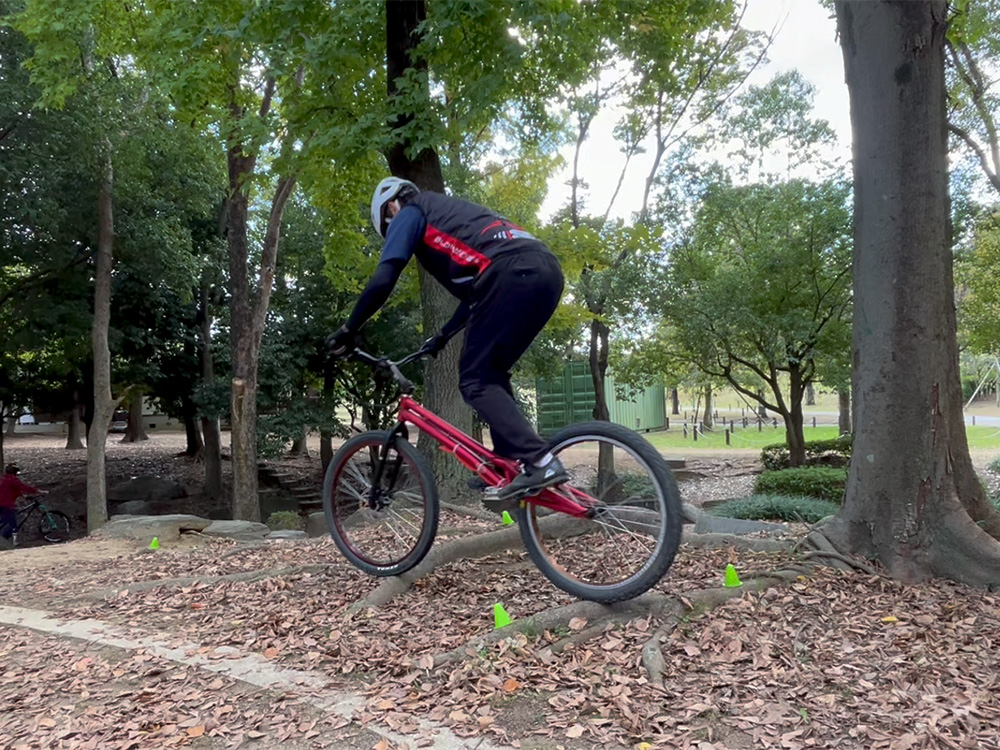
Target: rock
241,530
147,488
167,528
316,525
287,534
707,524
135,508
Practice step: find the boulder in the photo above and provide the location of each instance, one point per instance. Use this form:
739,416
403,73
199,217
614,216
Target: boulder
287,534
167,528
150,489
135,508
316,525
241,530
707,524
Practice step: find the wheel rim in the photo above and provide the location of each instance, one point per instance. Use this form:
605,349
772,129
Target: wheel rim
387,534
628,531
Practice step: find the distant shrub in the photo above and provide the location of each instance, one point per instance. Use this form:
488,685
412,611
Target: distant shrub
994,466
822,482
776,508
835,452
284,520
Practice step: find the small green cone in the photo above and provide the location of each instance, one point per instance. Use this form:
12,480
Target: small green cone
500,617
507,520
732,579
155,544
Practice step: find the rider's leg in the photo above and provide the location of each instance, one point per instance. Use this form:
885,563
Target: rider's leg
8,522
513,302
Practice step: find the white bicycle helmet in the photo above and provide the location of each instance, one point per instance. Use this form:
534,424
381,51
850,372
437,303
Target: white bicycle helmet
389,189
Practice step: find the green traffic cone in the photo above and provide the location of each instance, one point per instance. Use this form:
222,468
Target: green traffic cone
507,520
155,544
732,578
500,617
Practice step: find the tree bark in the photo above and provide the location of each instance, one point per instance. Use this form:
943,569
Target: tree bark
136,430
441,373
810,395
11,425
104,402
913,499
675,401
299,446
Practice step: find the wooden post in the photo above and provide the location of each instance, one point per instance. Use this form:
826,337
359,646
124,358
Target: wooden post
814,421
727,436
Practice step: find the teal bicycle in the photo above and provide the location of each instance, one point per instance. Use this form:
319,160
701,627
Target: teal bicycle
53,525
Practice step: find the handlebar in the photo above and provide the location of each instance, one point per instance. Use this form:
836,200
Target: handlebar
384,363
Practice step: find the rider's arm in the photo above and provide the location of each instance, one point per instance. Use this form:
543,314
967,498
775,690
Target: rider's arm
457,321
406,231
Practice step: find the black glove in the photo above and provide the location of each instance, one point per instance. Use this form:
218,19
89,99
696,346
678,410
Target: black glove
435,343
340,343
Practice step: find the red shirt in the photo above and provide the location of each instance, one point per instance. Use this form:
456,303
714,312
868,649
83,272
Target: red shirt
11,488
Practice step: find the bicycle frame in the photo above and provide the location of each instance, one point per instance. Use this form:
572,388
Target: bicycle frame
473,455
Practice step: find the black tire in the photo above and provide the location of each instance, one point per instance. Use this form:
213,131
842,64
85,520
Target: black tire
56,529
630,543
394,537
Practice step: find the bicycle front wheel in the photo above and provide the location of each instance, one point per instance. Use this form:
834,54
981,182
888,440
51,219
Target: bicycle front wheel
385,528
629,543
54,526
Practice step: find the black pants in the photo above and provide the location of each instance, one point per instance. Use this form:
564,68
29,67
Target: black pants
512,302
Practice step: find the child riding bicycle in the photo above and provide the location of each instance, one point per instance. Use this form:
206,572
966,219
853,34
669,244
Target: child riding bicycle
11,488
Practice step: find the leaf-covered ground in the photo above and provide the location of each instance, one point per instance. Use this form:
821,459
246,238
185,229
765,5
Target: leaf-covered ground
827,660
831,660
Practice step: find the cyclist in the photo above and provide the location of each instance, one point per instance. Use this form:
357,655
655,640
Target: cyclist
508,285
11,488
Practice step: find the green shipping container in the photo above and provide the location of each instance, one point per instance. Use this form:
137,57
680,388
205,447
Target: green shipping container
569,399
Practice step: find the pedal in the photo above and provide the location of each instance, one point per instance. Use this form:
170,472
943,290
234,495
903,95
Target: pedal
494,504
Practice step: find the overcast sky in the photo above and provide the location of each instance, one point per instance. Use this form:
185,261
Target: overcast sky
806,41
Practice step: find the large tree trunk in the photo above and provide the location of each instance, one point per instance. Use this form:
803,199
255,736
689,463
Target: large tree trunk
913,498
135,431
11,425
441,374
104,402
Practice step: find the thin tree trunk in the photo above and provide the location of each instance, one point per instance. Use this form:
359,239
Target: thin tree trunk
194,445
74,433
212,452
11,425
913,500
299,446
135,431
104,402
675,401
844,423
810,395
708,419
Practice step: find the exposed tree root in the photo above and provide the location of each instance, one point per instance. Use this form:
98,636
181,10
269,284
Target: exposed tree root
849,562
472,512
468,547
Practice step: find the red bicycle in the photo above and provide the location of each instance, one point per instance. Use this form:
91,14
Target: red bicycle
608,534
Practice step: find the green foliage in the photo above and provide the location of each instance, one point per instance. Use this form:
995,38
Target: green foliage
776,507
994,465
979,300
836,452
284,520
822,482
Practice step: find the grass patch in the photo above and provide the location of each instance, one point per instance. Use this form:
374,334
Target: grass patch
776,508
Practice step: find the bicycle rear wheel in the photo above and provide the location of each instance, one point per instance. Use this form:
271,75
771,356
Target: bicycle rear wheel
54,526
630,542
386,529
